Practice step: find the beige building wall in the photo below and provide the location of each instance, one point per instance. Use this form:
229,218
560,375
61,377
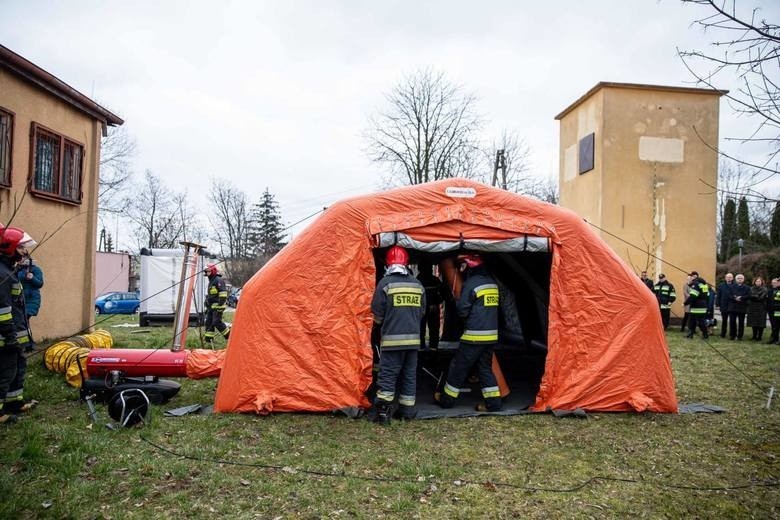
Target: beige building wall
65,232
652,190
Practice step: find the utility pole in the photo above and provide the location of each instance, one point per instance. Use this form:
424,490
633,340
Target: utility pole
499,164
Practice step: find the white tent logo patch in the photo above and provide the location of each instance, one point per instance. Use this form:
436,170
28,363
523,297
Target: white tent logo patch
460,193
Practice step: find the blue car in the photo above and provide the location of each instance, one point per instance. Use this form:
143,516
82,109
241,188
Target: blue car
117,303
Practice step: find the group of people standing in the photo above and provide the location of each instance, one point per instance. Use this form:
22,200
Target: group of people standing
399,307
740,305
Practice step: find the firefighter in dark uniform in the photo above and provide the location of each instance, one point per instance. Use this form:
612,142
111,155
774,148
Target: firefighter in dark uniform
397,306
13,325
698,299
664,291
478,306
434,291
216,300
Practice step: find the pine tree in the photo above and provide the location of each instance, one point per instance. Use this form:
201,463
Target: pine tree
743,220
266,232
774,228
727,237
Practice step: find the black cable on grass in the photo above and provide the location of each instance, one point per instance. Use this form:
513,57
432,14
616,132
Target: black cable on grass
772,482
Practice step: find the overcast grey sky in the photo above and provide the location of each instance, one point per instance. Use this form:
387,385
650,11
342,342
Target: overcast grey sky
277,94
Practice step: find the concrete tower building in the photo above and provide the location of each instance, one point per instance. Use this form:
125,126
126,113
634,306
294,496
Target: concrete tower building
639,162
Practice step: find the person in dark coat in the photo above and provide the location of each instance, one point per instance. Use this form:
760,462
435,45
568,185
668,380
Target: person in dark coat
398,306
645,280
13,325
478,306
756,314
31,277
773,309
738,304
722,302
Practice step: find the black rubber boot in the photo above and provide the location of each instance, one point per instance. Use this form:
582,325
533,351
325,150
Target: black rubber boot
493,404
444,400
383,414
405,413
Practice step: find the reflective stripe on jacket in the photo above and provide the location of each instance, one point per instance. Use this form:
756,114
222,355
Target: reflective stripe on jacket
664,291
13,321
217,293
478,305
773,303
398,304
699,297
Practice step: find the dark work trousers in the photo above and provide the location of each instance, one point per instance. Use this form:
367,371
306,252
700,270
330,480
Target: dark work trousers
214,322
665,313
758,333
8,364
465,359
15,394
775,321
431,320
736,325
724,323
397,368
700,321
686,317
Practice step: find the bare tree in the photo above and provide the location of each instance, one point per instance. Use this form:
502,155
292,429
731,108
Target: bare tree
508,161
230,219
542,188
427,132
748,48
117,149
231,228
161,217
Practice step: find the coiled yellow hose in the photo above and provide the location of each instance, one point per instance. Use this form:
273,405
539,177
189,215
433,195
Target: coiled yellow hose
69,357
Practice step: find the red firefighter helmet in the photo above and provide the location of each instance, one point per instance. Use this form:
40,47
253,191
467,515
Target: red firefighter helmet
397,255
210,270
10,238
470,260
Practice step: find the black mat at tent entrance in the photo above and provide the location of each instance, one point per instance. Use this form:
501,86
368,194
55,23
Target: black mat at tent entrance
523,386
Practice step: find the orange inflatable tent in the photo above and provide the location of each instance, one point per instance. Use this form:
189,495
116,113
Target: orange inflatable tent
300,339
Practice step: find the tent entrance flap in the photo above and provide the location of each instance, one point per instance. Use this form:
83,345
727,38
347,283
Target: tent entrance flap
521,243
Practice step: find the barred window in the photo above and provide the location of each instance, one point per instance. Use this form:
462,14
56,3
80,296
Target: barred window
57,165
6,143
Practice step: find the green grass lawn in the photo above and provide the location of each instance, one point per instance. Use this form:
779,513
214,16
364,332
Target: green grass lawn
55,464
